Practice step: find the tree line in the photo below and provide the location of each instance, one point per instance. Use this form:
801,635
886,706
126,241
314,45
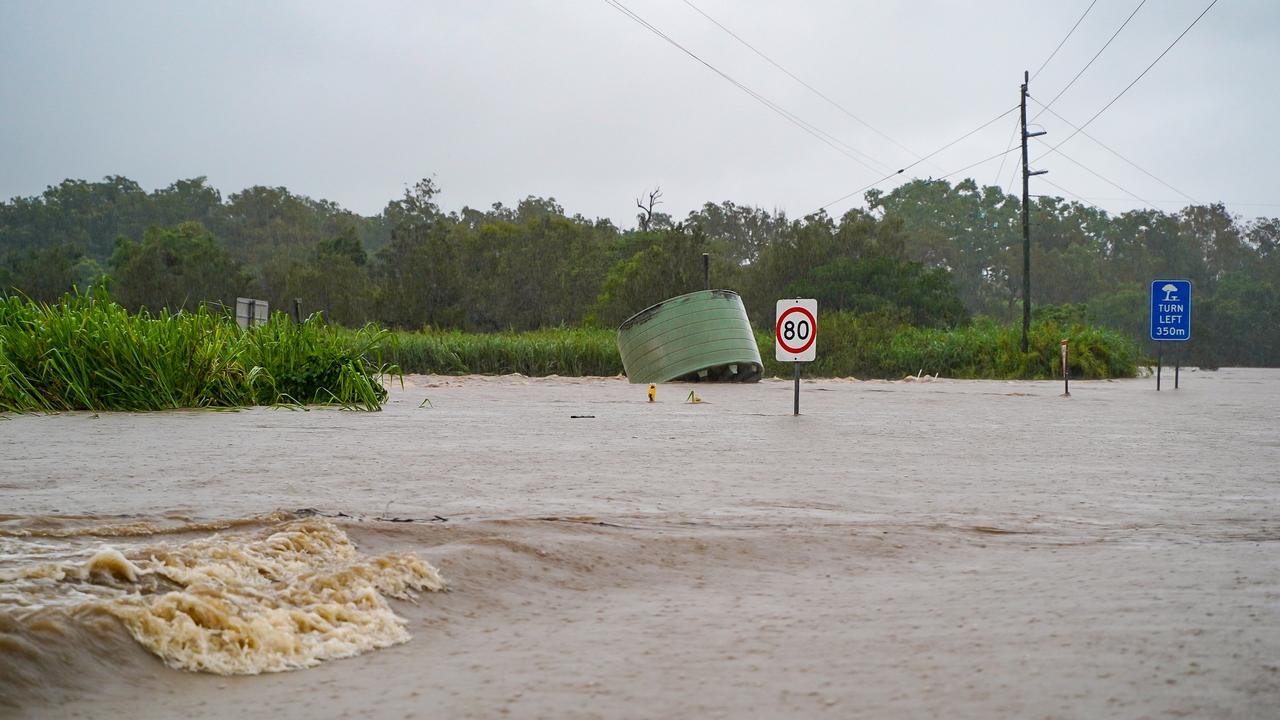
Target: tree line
927,253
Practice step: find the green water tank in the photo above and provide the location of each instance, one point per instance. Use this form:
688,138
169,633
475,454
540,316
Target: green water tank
704,335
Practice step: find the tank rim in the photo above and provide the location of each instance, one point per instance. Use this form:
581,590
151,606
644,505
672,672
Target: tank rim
637,318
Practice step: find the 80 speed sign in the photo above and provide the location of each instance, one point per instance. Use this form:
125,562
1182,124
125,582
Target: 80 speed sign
796,331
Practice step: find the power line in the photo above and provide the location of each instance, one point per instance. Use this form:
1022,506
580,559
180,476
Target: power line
1064,40
820,134
1164,202
868,186
1077,197
1095,57
834,142
1115,152
1014,133
1017,167
811,88
1103,178
1002,153
1135,80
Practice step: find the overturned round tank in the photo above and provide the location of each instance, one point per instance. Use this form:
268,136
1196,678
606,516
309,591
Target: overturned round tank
704,335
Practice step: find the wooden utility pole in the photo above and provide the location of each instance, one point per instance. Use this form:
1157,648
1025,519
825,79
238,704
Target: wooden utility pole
1026,214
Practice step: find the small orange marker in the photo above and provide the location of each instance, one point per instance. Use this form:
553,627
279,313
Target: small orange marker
653,391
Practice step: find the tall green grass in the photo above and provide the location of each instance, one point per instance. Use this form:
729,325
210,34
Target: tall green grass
88,353
867,346
556,351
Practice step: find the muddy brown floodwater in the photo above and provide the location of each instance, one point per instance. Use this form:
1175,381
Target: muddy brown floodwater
563,548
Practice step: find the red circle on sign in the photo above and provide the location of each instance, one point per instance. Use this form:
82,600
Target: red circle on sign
813,333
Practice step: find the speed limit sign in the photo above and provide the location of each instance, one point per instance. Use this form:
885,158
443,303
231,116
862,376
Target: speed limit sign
796,331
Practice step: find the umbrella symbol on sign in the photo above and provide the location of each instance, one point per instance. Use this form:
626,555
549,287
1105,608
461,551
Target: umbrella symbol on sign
1169,290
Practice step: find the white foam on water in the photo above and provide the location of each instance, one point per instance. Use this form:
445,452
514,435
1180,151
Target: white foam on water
289,596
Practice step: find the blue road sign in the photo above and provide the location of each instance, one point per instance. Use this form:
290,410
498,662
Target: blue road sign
1171,310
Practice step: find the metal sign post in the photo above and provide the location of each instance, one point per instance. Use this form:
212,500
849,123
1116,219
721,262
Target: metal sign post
795,336
795,408
1170,319
1159,362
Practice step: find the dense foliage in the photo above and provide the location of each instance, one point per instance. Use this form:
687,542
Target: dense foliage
879,345
870,345
89,353
929,253
925,297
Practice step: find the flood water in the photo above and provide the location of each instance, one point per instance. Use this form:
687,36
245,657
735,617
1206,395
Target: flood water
564,548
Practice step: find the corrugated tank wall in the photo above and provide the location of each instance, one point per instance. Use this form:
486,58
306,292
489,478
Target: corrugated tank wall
704,335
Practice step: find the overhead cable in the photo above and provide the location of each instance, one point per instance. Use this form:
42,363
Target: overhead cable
830,140
1064,40
1134,82
1103,178
1077,197
1095,57
1014,135
926,157
1113,151
795,77
1002,153
1017,123
1165,202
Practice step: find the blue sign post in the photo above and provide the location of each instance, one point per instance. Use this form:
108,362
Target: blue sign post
1170,318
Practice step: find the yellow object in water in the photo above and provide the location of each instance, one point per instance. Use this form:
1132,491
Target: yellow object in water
653,392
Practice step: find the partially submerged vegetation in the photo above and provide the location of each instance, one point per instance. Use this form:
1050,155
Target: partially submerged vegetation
554,351
875,346
872,345
88,353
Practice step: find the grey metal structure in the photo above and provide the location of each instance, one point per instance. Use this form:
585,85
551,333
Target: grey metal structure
250,312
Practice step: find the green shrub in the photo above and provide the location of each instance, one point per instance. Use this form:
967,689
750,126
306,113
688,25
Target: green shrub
880,345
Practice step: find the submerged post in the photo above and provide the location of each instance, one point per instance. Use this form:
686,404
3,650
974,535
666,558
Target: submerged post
1066,372
1159,358
797,403
1177,366
297,310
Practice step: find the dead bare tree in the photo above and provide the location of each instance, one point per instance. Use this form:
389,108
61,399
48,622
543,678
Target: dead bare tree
646,209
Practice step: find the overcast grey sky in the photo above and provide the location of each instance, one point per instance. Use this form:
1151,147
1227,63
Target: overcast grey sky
352,102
